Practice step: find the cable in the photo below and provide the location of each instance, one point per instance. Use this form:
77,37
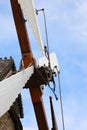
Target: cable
46,49
47,83
53,92
46,37
61,101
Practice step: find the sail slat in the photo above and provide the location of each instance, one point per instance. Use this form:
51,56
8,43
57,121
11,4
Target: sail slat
29,12
11,87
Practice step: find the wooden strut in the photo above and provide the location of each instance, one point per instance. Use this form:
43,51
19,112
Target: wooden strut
28,59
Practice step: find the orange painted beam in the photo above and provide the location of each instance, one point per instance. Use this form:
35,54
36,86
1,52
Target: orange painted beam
28,59
22,33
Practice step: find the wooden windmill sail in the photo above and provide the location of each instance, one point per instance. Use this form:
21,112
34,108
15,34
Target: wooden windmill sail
27,78
35,91
11,119
11,87
29,12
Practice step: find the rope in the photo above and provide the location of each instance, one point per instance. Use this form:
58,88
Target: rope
61,104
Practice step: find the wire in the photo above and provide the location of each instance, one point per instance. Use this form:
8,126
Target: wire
53,92
61,104
46,37
47,83
45,25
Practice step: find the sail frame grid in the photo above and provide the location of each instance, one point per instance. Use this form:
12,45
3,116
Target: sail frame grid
29,12
11,87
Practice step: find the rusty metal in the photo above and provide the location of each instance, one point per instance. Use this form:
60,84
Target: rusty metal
28,59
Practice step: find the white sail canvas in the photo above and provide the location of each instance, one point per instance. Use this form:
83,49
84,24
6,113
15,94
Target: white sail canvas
11,87
29,12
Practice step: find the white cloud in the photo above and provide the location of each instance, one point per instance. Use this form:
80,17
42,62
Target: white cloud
72,15
78,19
82,8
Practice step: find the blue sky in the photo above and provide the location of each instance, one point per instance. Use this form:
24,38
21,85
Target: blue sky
67,31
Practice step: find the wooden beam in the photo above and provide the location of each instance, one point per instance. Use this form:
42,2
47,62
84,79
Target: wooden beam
35,91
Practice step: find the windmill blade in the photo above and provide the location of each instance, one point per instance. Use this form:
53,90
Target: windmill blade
29,12
11,87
